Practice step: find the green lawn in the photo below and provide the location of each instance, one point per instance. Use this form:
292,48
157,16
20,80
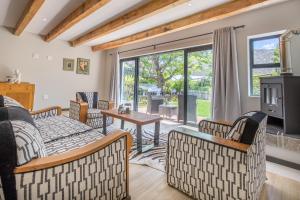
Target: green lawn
203,108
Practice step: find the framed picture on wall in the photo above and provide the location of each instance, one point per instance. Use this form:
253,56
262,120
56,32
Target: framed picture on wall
68,64
83,66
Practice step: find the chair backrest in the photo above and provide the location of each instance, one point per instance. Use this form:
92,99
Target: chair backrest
191,107
244,129
89,97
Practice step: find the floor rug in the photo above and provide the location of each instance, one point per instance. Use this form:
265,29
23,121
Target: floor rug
154,157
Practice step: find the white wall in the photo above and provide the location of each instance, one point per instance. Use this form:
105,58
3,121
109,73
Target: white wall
48,76
270,19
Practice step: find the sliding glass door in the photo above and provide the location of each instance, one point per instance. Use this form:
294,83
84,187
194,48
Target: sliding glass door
199,83
176,85
160,83
128,81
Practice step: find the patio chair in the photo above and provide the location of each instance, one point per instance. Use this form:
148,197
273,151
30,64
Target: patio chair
153,102
191,108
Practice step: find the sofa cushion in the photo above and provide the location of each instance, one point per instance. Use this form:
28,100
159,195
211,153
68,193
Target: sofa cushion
237,129
93,113
15,113
58,127
6,101
244,129
73,142
29,144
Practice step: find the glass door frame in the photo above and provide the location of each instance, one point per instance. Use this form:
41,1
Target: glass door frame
186,52
185,91
136,79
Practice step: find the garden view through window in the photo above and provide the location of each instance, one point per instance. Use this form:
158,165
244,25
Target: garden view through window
264,60
154,84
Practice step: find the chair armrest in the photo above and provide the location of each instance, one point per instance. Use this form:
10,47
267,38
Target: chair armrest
47,112
105,105
213,139
220,129
78,111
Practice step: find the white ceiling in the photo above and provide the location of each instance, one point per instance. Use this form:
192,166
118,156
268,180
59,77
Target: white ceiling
53,11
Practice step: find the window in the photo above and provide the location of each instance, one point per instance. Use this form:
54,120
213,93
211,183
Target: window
264,60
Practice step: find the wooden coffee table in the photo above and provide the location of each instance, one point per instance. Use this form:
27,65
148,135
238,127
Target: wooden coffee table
139,119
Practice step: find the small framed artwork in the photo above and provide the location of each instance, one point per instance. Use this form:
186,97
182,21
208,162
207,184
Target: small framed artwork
68,64
83,66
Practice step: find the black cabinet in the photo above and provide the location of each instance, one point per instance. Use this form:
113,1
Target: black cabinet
280,99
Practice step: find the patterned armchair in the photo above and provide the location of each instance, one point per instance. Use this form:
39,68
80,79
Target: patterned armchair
221,161
87,109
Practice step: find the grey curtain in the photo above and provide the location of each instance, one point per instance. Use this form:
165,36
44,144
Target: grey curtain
114,78
226,92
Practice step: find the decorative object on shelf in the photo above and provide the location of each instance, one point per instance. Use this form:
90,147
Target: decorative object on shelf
124,109
15,77
285,51
83,66
9,79
127,107
68,64
121,109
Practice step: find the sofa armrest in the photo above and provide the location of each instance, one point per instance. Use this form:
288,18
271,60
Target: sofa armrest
47,112
220,129
78,111
63,158
105,105
86,167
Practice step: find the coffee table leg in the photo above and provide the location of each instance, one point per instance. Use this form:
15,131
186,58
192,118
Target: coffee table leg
122,124
156,133
139,144
104,125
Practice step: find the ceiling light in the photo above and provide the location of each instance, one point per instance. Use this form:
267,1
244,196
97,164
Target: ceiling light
44,19
189,4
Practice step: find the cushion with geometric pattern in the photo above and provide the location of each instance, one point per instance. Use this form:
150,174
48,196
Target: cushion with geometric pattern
27,140
6,101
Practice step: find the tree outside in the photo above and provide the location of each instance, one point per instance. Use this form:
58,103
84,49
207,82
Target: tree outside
163,74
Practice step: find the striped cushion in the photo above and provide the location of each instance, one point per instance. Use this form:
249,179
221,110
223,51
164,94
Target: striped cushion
6,101
237,130
29,142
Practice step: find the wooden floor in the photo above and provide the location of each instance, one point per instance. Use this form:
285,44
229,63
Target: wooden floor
147,183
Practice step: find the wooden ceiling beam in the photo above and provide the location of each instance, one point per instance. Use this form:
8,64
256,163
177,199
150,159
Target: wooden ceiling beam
84,10
216,13
140,13
31,9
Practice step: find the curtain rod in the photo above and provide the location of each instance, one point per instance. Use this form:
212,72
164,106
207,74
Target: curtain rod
155,45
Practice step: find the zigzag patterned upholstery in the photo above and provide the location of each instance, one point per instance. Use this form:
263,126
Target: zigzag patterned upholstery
216,168
92,116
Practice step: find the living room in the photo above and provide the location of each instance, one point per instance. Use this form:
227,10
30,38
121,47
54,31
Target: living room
149,96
